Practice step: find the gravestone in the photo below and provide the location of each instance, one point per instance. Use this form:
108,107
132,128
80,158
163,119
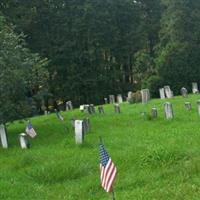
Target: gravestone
101,109
198,106
119,98
162,93
168,92
86,125
195,89
145,95
154,113
184,92
82,107
46,112
106,100
3,136
92,108
69,105
188,106
79,131
111,99
23,139
117,108
168,110
72,121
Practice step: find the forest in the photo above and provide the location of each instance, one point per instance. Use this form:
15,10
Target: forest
85,50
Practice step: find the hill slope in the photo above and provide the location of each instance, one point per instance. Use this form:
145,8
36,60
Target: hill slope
156,159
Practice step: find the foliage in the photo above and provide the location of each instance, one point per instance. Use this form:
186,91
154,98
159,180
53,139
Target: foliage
22,75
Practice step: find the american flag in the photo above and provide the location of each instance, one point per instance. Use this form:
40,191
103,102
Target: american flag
107,169
30,130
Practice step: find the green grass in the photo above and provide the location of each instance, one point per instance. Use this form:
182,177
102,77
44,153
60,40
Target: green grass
157,159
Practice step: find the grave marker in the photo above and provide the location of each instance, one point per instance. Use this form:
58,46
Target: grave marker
117,108
184,92
111,99
79,131
162,93
101,109
119,98
145,95
168,110
23,139
168,92
154,113
188,106
195,89
3,137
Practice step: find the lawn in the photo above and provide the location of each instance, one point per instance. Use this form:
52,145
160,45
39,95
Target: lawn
157,159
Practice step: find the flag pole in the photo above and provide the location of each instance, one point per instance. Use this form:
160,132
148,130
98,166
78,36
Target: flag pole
113,194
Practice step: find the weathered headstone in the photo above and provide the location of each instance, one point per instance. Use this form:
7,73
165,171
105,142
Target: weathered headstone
101,109
82,107
23,139
92,108
188,106
117,108
145,95
119,98
198,106
79,131
154,113
69,105
111,99
168,92
184,92
86,125
162,93
3,137
106,100
195,89
168,110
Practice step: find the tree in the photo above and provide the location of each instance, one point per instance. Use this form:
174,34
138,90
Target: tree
23,75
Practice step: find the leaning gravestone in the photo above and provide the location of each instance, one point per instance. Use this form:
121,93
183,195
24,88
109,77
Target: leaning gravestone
117,108
145,95
119,98
3,136
79,131
198,106
101,109
23,139
162,93
195,89
188,106
154,113
168,110
168,92
69,105
111,99
184,92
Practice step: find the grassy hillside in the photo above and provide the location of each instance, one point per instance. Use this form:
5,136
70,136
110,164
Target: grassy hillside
156,159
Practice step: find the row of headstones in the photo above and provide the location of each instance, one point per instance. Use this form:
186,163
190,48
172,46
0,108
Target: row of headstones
23,139
68,106
90,109
112,100
169,114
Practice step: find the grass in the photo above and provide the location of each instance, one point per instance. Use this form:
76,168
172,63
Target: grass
157,159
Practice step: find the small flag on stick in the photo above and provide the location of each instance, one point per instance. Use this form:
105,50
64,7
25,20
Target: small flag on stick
30,130
59,116
108,170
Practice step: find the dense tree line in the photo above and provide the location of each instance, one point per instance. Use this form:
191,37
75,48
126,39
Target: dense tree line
96,48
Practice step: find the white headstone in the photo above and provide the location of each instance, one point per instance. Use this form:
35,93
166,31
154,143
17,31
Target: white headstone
162,93
79,135
168,110
23,141
195,88
198,106
111,99
145,95
3,136
119,98
168,92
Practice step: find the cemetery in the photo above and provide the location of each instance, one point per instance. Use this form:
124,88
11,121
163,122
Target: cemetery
159,148
99,100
